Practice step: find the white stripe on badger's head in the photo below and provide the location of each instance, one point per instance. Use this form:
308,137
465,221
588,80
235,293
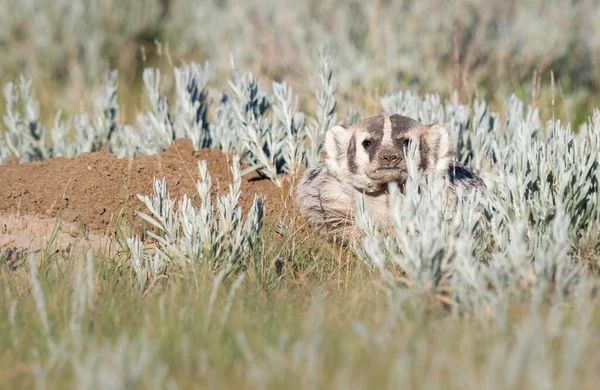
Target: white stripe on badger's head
387,132
371,153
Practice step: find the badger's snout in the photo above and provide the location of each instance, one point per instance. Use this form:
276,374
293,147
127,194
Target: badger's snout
389,157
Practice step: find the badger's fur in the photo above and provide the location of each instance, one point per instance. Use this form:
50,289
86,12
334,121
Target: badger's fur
364,158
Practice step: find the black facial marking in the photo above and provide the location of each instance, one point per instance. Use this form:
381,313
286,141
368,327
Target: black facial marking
374,147
374,126
424,152
402,124
370,145
402,143
352,154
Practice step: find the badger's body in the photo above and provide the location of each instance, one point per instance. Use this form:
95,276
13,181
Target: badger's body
364,159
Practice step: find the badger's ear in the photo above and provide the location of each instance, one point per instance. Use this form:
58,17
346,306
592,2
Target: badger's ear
336,147
439,149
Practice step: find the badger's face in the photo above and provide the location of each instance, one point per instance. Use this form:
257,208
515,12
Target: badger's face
374,152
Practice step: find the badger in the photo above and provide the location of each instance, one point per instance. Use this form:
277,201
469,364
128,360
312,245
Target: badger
364,159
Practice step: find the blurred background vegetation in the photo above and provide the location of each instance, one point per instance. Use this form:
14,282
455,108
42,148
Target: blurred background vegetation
527,319
485,49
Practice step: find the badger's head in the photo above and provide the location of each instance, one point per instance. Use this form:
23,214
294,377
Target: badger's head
372,153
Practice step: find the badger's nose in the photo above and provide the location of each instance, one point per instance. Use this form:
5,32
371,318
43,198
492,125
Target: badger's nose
389,157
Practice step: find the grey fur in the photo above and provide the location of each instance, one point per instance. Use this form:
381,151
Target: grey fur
374,124
326,193
351,155
402,124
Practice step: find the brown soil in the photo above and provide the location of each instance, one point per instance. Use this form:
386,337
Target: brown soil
92,189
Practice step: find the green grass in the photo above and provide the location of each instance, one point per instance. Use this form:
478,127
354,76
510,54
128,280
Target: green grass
303,313
320,320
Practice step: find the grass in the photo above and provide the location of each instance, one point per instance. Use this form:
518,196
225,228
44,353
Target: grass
320,320
301,312
177,304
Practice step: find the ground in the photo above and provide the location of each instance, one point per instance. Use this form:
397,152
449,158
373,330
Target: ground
91,193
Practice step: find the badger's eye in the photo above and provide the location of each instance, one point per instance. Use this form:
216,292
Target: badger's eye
406,143
366,143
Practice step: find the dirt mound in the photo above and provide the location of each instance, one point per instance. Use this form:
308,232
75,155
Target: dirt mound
94,187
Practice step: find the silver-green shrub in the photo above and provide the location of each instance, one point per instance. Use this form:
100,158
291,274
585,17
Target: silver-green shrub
257,139
214,234
25,136
326,104
264,127
4,153
192,104
155,129
542,201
